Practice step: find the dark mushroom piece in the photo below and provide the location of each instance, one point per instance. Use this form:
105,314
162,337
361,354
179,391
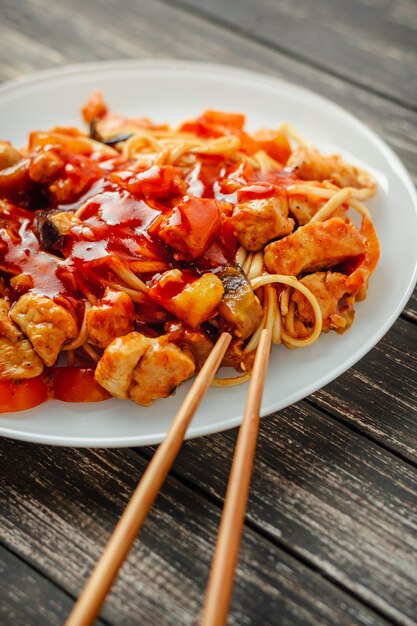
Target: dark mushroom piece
48,233
51,227
240,307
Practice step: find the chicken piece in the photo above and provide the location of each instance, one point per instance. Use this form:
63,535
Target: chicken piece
115,369
15,184
274,143
17,356
8,155
303,208
259,220
47,324
234,355
191,226
46,166
21,283
161,369
193,342
60,139
332,296
142,369
311,165
315,246
71,185
239,306
111,318
192,302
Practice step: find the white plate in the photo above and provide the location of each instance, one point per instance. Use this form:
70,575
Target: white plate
171,91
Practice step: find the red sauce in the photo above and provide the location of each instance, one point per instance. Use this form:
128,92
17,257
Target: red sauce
22,255
176,217
163,290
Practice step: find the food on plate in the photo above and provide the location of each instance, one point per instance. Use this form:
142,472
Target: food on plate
127,248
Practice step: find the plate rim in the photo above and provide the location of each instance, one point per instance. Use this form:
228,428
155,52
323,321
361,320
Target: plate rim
266,78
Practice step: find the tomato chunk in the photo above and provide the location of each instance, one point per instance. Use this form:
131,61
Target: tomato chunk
191,226
220,118
255,191
18,395
155,182
95,107
77,384
218,124
274,143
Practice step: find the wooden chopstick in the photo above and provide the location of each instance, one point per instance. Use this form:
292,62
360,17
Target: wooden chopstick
220,585
92,597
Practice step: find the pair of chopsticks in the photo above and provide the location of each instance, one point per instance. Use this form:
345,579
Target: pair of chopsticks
220,585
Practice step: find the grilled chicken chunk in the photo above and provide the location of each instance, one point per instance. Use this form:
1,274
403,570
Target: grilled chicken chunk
161,369
315,246
303,207
234,356
21,283
258,221
143,369
111,318
114,371
46,166
239,306
47,325
8,155
17,356
311,165
332,296
190,341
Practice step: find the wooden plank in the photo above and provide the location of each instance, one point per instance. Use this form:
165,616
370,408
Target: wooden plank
27,597
59,506
379,395
372,44
330,496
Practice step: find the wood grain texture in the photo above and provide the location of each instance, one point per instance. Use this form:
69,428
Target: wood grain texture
130,523
27,597
372,44
60,505
329,496
378,395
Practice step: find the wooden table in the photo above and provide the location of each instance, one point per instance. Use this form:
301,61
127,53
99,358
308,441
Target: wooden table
330,534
